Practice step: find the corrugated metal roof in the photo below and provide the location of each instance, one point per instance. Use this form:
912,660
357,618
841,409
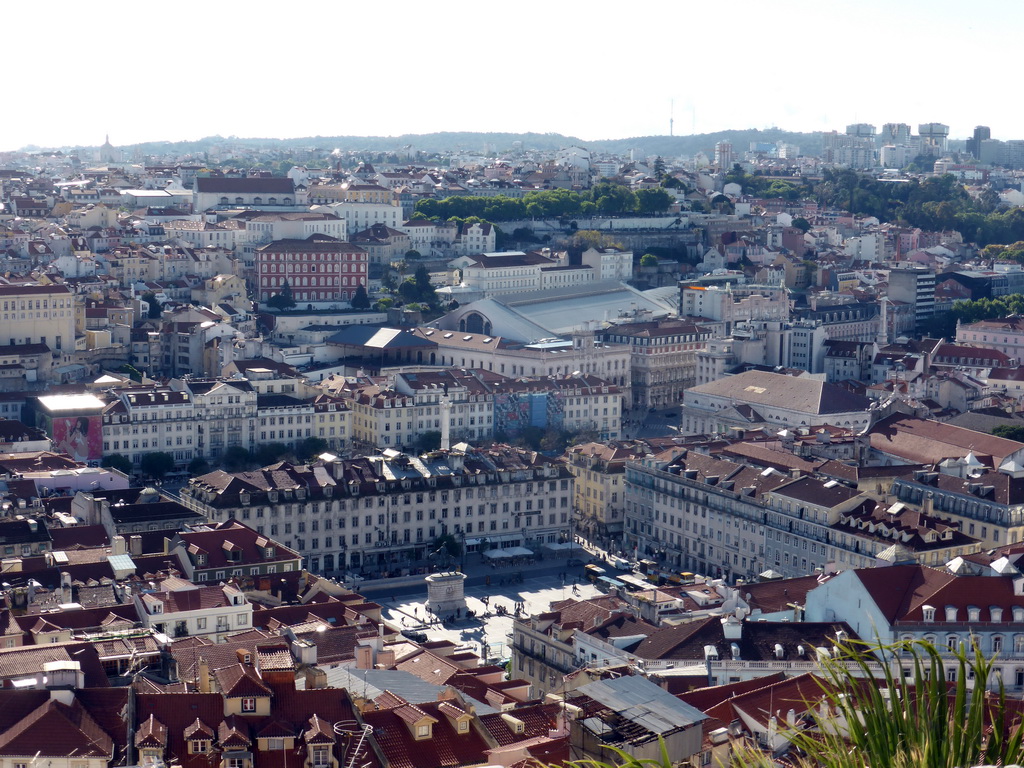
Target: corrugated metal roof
644,703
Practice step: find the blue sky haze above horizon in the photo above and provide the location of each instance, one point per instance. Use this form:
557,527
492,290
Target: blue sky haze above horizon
182,71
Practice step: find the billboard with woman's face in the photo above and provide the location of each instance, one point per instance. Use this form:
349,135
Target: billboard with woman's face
80,437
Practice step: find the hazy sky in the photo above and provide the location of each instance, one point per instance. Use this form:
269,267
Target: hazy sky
147,71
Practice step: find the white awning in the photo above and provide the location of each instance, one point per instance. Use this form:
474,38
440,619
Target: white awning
495,554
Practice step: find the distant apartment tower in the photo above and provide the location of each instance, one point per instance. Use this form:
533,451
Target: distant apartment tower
895,133
981,133
861,130
847,150
933,137
725,155
915,287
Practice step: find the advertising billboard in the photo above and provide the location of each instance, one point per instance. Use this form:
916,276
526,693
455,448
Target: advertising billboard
80,437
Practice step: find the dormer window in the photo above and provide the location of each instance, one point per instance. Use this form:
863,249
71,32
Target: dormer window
423,731
951,613
249,704
198,746
463,726
928,613
995,613
973,613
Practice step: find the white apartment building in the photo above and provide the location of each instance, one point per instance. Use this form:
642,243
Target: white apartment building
180,608
143,420
267,227
551,357
609,263
226,413
729,305
360,216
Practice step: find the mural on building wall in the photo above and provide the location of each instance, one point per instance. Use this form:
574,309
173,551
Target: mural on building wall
80,437
515,411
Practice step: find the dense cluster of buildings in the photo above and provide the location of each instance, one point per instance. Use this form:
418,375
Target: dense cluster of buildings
769,425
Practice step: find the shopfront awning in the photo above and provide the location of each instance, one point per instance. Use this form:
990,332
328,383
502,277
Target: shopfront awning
496,554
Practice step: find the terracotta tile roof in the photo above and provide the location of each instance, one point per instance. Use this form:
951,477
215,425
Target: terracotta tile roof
537,720
705,699
152,733
198,729
240,680
923,441
446,748
274,656
55,729
319,731
276,729
233,733
18,663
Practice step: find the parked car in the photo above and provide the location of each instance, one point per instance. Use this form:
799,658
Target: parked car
574,562
414,635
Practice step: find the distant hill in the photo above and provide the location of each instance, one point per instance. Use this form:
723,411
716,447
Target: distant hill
665,146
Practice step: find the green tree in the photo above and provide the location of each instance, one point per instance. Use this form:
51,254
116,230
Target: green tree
1010,432
310,448
648,260
384,304
270,453
156,464
412,254
427,441
283,300
360,300
425,292
198,466
653,200
590,238
117,461
236,458
801,223
908,716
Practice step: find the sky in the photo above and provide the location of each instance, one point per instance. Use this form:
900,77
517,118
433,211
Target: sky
183,70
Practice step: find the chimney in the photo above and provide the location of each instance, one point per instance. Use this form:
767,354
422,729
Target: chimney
135,545
204,676
732,628
386,659
364,657
316,678
928,503
66,594
117,546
